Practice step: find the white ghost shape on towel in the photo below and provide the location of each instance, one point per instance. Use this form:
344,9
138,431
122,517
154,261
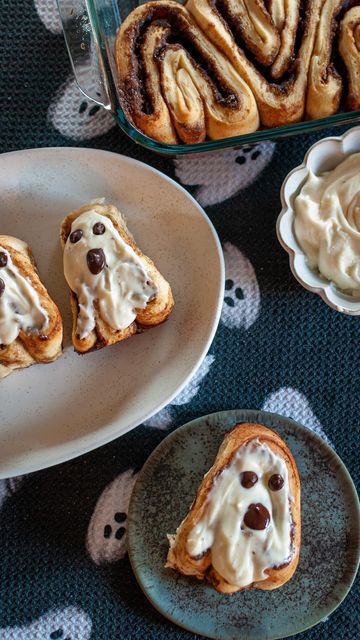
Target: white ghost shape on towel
75,116
48,13
220,176
242,294
293,404
61,624
106,535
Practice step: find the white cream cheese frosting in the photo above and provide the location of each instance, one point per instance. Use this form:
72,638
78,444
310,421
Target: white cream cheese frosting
327,223
121,284
20,306
240,553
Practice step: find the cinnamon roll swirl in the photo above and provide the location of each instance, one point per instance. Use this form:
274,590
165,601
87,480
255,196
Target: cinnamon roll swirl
278,103
175,84
219,68
324,82
285,16
349,48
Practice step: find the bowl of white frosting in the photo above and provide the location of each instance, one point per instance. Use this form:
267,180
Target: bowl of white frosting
319,224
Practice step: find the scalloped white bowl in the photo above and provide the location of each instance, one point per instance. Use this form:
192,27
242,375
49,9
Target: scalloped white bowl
323,156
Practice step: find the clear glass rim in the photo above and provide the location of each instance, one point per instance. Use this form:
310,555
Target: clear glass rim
306,126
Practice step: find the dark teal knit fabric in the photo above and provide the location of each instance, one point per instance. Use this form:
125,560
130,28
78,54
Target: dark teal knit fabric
277,347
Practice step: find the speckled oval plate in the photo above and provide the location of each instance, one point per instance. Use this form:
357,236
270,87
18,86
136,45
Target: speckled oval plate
330,534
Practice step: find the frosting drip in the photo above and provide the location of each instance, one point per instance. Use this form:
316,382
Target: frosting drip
20,307
247,530
102,269
327,223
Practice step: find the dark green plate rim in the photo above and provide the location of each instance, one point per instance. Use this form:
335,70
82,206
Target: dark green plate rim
270,420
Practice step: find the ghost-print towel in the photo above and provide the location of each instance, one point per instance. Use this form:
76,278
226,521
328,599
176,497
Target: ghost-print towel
65,573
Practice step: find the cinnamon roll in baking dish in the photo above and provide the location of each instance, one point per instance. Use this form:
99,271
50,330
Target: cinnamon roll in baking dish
175,83
220,68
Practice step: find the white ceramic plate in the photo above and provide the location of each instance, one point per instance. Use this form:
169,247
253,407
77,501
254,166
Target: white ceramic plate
51,413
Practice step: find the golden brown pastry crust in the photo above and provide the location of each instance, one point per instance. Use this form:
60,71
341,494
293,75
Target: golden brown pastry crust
324,82
207,70
166,92
155,312
179,559
279,102
349,48
31,348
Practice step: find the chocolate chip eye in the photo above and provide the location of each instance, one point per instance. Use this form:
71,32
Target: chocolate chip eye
98,228
76,235
3,259
2,287
248,479
95,260
257,517
276,482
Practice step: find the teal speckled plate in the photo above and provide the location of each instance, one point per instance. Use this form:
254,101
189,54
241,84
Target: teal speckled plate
330,534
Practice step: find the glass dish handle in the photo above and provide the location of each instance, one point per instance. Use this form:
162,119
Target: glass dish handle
89,28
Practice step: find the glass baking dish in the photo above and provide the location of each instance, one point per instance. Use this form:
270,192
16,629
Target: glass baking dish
90,28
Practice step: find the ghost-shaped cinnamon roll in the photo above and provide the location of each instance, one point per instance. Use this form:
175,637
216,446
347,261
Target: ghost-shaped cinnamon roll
115,289
31,328
243,529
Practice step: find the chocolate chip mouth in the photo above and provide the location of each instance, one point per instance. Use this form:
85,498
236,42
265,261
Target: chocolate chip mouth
2,287
257,517
96,261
